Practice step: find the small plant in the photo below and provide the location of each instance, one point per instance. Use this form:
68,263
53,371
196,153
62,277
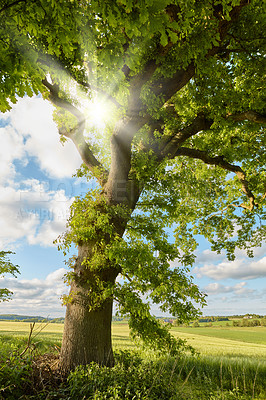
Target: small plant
15,371
131,378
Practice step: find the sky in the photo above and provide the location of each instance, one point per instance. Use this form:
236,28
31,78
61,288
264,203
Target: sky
36,190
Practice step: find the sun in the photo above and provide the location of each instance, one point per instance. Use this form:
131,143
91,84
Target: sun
97,110
99,113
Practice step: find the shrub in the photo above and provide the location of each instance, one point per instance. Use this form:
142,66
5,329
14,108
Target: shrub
131,378
15,371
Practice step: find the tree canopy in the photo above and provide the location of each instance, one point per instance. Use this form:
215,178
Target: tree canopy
183,147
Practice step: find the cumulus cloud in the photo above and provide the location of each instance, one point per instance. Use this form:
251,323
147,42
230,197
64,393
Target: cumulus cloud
257,251
32,132
208,256
30,209
33,213
240,289
11,148
36,296
237,269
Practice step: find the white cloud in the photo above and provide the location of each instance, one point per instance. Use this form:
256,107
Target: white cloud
30,209
240,289
34,214
32,132
47,233
237,269
257,251
11,148
208,256
36,296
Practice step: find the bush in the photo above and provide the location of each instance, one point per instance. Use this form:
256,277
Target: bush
131,378
15,371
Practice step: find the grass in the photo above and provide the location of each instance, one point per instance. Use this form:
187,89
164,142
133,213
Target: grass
242,342
232,365
227,342
211,342
249,335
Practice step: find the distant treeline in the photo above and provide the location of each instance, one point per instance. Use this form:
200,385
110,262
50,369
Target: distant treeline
246,320
250,322
16,317
30,318
213,319
27,318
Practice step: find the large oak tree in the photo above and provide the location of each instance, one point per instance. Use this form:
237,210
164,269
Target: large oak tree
184,147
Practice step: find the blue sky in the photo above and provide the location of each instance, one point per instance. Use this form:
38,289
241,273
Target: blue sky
36,190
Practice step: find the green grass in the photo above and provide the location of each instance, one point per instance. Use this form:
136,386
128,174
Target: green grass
209,344
232,365
248,335
231,341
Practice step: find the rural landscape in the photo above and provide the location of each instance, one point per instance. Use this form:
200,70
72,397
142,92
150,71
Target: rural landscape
132,187
230,363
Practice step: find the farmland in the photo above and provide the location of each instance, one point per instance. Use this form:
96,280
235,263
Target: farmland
226,341
218,340
231,365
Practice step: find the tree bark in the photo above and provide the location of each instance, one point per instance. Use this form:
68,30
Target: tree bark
87,328
87,336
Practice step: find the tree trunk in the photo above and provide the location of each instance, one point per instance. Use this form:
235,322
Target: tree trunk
87,336
87,328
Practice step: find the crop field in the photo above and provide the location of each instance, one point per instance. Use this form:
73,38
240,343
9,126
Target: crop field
226,341
208,345
249,335
250,342
232,362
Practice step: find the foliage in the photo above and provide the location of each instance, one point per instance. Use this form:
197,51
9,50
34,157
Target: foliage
6,267
143,257
167,378
248,322
15,371
135,377
26,49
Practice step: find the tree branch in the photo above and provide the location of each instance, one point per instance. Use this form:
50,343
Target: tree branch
219,161
48,61
170,148
76,134
252,116
167,87
63,103
12,4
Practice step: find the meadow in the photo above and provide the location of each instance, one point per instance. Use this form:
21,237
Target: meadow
231,365
215,340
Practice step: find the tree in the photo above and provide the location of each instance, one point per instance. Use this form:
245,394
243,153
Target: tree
185,146
6,267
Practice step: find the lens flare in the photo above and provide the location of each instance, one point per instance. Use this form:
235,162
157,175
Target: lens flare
99,113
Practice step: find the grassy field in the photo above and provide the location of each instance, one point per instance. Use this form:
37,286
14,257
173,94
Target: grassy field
218,341
249,335
232,365
242,342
